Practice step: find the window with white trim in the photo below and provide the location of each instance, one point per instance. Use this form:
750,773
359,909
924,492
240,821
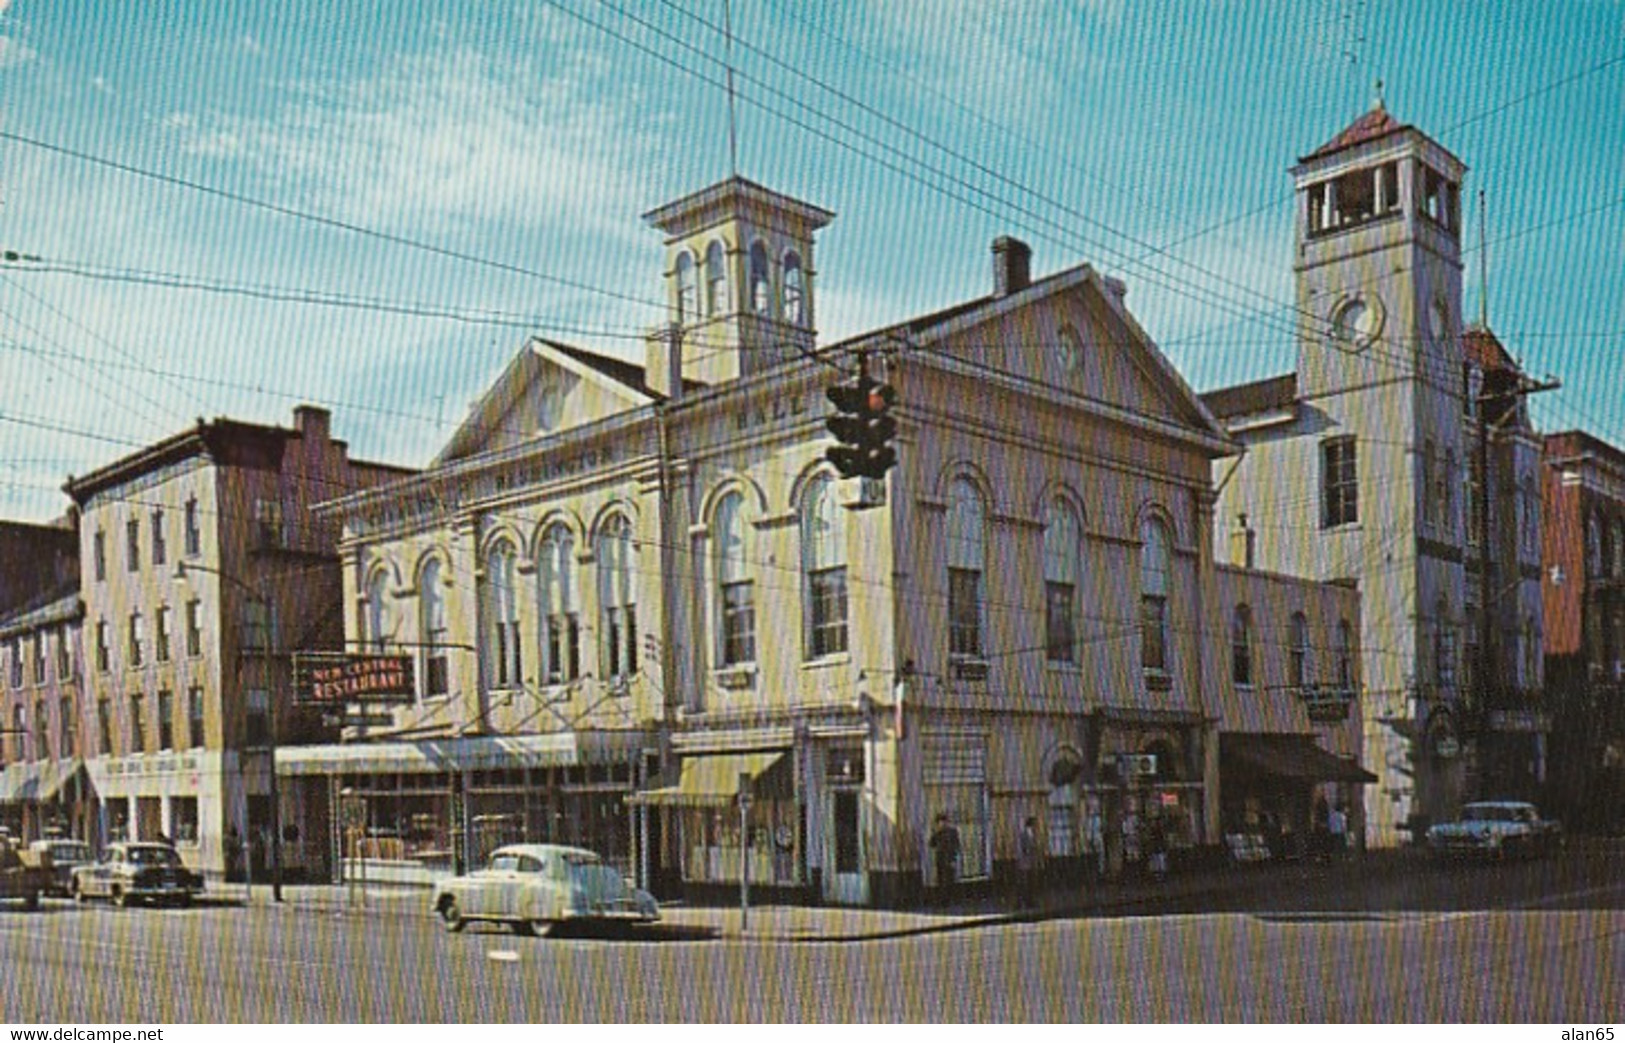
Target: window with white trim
966,554
823,563
1339,485
1241,646
716,280
432,628
1061,535
616,555
504,660
377,631
560,607
687,291
1298,668
761,287
1154,576
795,290
736,592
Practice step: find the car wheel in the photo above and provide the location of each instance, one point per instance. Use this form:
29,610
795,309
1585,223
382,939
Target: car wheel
451,915
543,928
121,898
31,901
77,893
523,928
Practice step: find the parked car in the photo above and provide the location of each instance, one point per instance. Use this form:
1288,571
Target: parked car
65,856
1496,829
24,874
533,887
137,872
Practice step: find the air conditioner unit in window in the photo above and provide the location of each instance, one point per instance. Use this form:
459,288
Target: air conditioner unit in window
1137,765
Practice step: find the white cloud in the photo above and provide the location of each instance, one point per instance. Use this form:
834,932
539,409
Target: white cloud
443,140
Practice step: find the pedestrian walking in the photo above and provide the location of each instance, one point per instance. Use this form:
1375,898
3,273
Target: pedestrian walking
945,849
1156,843
1131,842
1337,829
1094,839
1028,859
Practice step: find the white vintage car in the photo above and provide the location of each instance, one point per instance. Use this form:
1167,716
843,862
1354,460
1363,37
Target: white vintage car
534,887
1495,829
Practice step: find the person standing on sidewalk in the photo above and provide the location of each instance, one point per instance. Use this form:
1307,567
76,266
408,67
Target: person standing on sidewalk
1131,841
1337,828
945,848
1027,861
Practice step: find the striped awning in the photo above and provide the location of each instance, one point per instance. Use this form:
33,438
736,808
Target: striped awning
710,781
18,779
472,753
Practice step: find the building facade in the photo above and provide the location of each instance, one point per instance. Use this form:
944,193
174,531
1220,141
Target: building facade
1584,566
1401,490
201,570
635,592
43,789
36,560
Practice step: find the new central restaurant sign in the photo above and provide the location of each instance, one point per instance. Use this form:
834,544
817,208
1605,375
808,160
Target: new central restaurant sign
336,679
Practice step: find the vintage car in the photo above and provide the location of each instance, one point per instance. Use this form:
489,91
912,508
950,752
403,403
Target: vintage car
24,874
1495,829
65,856
535,887
137,872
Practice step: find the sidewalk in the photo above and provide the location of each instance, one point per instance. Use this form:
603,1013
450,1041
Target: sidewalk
841,924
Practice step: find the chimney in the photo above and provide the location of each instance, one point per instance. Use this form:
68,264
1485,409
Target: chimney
1012,266
1243,543
314,423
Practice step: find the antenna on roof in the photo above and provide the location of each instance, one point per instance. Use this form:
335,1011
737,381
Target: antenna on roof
1483,267
728,61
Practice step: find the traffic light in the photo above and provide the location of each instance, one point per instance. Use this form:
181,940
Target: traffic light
864,427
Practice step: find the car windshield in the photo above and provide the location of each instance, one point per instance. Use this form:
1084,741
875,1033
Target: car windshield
1486,813
151,856
70,852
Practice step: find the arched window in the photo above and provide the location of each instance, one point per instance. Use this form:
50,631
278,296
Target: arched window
503,659
617,599
1241,646
1444,644
1060,583
378,621
716,280
559,605
1154,567
736,593
795,290
1345,656
432,629
965,560
761,289
687,292
823,563
1297,653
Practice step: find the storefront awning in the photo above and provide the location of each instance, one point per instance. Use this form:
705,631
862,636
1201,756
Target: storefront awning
473,753
18,779
711,781
1292,757
53,777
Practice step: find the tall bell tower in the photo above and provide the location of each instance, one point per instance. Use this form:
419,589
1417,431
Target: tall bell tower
739,281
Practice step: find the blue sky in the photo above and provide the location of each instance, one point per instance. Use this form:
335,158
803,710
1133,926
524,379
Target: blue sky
1149,139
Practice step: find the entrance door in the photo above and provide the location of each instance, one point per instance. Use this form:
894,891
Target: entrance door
847,884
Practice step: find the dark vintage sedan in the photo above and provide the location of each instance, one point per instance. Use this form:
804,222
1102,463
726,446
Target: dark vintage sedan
66,856
137,872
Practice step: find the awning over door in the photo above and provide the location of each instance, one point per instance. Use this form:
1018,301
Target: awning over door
17,782
710,781
1291,757
53,778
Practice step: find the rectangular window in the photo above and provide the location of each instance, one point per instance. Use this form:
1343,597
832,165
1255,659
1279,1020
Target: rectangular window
103,656
39,657
104,726
161,637
1154,633
1060,636
137,636
138,725
509,658
183,819
67,728
160,552
1339,486
258,719
194,628
256,626
738,623
16,656
194,535
563,647
268,523
826,590
19,733
621,641
132,544
64,653
194,718
166,720
42,731
965,613
98,553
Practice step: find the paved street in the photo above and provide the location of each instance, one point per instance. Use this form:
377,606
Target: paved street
1541,942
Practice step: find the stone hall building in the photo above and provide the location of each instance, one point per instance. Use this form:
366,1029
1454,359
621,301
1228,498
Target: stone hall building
626,588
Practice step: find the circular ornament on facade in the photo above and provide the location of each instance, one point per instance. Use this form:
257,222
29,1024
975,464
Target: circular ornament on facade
1069,349
1356,322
